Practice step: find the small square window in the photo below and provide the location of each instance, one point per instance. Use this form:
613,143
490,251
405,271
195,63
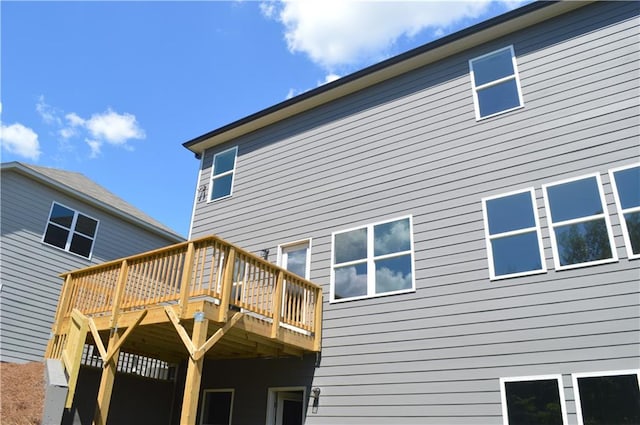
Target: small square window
217,407
222,174
373,260
512,232
579,226
70,230
626,188
495,83
533,400
607,397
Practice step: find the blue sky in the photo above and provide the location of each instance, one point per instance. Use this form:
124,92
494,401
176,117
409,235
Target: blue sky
113,89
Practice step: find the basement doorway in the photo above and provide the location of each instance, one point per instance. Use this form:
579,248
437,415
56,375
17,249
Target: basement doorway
286,406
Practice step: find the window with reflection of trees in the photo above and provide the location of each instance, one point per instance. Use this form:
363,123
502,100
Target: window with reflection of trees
580,228
626,185
608,398
533,401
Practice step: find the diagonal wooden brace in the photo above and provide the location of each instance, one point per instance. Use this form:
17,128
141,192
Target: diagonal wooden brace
111,351
196,353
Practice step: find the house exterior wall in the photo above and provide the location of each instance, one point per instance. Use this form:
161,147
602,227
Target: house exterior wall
30,268
412,145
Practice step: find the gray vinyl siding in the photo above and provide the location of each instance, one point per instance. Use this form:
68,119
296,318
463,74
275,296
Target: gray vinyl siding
30,268
412,145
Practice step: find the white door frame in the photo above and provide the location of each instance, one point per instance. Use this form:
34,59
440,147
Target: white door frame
272,401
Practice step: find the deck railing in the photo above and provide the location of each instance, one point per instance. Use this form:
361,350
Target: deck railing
208,268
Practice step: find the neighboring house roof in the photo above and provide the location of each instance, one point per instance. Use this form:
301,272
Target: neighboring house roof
80,186
475,35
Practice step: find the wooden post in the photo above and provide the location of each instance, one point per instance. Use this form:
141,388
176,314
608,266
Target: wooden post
194,374
317,321
276,304
185,283
227,284
106,382
119,294
63,305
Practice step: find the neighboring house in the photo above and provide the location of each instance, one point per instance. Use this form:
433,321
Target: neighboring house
471,210
54,221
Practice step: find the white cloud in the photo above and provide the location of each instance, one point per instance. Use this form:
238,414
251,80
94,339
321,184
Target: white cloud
337,32
95,146
20,140
114,128
48,114
74,120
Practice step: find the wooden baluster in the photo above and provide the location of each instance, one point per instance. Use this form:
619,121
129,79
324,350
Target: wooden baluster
276,304
185,284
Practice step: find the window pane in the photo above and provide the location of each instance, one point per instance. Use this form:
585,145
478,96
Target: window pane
297,262
575,199
393,274
492,67
633,226
224,162
86,225
610,400
628,184
350,246
62,216
81,245
56,236
516,254
498,98
221,186
533,402
510,213
391,237
351,281
583,242
217,408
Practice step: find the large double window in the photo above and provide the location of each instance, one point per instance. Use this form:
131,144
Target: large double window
626,184
495,83
579,225
222,174
373,260
512,232
70,230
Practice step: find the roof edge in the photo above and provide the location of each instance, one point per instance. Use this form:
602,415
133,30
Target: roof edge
482,32
19,167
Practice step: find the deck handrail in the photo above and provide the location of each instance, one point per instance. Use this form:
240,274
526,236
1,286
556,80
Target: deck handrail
208,268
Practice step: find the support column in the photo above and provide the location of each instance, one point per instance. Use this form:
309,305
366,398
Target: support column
194,373
106,382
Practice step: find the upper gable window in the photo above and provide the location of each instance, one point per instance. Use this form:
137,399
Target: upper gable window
70,230
626,184
580,228
512,232
495,82
224,166
373,260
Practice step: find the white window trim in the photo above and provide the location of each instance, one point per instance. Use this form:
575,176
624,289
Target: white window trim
604,215
515,76
370,261
71,231
306,243
503,393
217,390
272,394
622,211
226,173
489,237
576,389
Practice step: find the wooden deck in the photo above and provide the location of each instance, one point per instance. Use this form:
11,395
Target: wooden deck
206,278
200,299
